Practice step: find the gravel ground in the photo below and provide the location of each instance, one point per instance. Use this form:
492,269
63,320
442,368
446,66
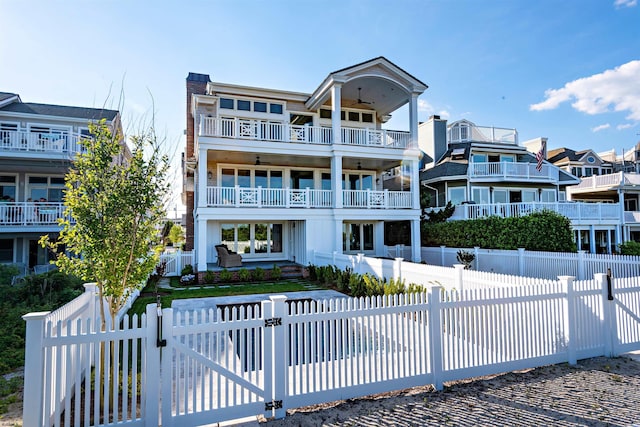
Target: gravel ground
596,392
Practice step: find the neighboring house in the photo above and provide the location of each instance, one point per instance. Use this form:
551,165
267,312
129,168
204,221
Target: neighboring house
628,161
485,171
276,175
485,165
37,144
621,188
579,163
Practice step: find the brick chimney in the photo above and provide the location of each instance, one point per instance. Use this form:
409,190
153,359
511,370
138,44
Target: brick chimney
196,84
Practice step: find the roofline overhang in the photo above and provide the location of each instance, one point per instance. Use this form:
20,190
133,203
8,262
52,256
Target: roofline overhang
79,120
231,89
10,100
322,93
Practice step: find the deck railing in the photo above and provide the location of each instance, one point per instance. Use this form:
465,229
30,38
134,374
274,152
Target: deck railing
30,213
261,130
369,199
512,170
305,198
575,211
36,142
483,134
608,181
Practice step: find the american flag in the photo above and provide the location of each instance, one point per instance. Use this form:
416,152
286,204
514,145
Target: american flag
540,156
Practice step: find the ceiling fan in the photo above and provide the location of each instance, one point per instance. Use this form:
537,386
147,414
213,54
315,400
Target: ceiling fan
360,101
259,162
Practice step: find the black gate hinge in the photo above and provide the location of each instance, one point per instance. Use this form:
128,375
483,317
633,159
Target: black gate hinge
274,321
274,404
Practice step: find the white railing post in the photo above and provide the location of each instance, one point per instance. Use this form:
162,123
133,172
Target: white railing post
92,289
333,259
459,268
307,197
435,335
608,325
360,258
581,267
476,252
152,371
570,317
275,360
521,264
397,268
33,399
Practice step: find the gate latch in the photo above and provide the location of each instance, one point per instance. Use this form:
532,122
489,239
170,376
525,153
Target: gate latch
274,321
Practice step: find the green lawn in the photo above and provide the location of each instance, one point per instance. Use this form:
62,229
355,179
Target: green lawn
168,295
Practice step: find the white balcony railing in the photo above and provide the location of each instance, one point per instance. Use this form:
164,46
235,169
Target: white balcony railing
305,198
39,142
512,170
574,211
371,199
30,213
607,181
482,134
260,130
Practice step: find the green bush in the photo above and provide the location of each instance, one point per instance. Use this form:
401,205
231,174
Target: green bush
225,276
629,248
313,276
276,272
540,231
244,275
209,277
187,269
258,274
357,286
43,292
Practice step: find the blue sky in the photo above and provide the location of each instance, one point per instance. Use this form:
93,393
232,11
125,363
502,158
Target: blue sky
567,70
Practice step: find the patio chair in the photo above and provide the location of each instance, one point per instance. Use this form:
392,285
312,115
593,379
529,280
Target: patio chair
227,258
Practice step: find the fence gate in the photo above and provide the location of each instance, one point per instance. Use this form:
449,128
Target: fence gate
625,323
213,364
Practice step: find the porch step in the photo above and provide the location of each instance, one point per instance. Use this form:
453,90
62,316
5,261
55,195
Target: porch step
291,271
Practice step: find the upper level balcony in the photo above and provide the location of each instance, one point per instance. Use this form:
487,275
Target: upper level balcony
606,182
261,130
511,171
305,198
26,144
467,132
15,215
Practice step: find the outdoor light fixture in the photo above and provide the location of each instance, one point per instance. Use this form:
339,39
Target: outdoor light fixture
209,175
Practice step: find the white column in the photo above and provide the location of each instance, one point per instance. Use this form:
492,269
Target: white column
415,184
201,245
592,239
336,181
336,99
337,245
413,119
201,180
416,244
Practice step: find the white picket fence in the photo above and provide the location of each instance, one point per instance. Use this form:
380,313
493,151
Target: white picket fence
548,265
175,262
233,362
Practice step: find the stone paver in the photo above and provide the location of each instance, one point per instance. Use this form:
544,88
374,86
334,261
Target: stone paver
596,392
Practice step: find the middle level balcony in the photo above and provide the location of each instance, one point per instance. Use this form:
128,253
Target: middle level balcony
511,171
261,130
30,216
305,198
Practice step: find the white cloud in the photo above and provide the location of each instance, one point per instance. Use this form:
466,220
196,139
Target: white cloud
611,90
625,3
624,126
601,127
429,110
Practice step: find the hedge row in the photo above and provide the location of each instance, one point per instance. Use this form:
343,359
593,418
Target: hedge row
540,231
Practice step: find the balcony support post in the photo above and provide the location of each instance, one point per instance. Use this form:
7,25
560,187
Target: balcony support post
336,181
201,178
415,184
416,244
336,95
413,120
